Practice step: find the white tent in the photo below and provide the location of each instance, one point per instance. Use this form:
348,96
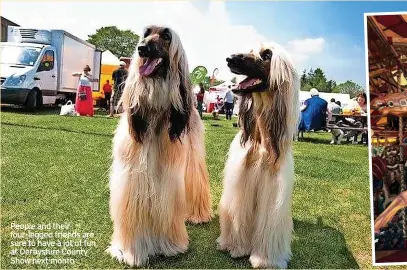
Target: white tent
108,58
225,86
343,98
215,91
218,90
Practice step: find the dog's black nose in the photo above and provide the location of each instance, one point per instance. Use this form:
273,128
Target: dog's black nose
142,50
234,58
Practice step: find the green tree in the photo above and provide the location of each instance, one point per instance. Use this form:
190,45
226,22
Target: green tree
349,87
119,42
304,77
233,80
316,79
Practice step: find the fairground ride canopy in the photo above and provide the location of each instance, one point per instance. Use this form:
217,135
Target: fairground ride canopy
387,44
387,48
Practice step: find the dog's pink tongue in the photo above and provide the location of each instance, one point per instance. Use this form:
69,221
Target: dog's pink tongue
148,67
246,83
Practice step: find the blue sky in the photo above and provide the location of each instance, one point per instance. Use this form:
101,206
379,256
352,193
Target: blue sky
329,35
341,24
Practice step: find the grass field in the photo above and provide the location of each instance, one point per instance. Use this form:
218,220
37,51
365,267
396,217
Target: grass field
54,169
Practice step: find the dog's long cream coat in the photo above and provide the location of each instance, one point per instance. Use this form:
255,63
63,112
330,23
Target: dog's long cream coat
156,185
255,208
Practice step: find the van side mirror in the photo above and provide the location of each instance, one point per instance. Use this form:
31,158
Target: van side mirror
44,66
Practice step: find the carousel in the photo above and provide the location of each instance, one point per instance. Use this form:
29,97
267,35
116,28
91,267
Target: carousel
387,50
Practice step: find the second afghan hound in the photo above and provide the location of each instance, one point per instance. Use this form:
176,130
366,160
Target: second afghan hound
159,177
255,208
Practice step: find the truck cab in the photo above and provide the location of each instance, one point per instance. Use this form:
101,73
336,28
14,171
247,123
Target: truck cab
28,72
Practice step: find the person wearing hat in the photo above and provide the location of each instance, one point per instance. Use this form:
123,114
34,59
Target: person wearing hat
313,112
119,77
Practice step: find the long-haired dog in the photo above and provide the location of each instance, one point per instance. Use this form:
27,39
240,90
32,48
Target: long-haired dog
159,177
255,208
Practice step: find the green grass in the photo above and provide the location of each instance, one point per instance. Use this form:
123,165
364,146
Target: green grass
55,169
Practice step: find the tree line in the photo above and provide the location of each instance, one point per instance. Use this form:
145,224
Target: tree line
317,79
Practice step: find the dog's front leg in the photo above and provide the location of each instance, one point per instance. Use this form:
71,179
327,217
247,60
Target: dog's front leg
274,225
236,208
197,189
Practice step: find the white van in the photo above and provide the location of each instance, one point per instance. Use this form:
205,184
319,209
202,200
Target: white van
37,66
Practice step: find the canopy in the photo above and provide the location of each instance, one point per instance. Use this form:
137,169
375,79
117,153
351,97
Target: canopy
387,44
225,86
108,58
387,48
343,98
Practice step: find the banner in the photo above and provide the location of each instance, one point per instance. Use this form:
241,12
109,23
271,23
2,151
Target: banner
199,74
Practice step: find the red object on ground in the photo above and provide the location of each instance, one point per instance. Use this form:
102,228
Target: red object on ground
211,107
84,107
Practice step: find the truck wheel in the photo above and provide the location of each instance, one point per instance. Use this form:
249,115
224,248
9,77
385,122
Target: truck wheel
32,101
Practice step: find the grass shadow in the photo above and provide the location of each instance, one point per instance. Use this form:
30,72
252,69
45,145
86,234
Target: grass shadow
318,246
315,246
314,140
57,129
21,110
45,110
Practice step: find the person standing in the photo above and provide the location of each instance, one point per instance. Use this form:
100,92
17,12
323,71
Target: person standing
119,77
84,101
200,99
107,91
229,104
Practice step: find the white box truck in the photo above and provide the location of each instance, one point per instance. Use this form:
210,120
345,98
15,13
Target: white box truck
37,66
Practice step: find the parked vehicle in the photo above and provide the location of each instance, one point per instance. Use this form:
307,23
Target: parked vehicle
37,66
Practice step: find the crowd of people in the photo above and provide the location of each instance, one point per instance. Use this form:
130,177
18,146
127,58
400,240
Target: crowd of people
225,104
347,122
112,95
316,113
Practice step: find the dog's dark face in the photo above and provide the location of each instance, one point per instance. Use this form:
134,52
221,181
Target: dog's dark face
154,52
256,69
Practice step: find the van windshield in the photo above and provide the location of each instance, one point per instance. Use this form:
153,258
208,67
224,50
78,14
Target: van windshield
17,55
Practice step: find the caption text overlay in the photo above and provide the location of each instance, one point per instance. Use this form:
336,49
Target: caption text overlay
50,243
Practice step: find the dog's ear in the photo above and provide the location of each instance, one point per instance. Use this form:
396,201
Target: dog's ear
247,119
138,124
179,118
275,121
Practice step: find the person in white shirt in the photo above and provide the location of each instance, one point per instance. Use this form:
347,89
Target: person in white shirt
333,108
229,104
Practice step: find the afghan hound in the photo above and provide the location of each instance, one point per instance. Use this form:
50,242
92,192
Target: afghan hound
255,207
159,177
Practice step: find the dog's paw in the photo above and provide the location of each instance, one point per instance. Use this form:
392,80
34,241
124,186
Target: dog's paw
169,249
195,219
116,253
130,258
261,262
221,244
238,252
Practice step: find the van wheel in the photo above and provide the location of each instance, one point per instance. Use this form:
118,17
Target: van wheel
39,99
32,101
